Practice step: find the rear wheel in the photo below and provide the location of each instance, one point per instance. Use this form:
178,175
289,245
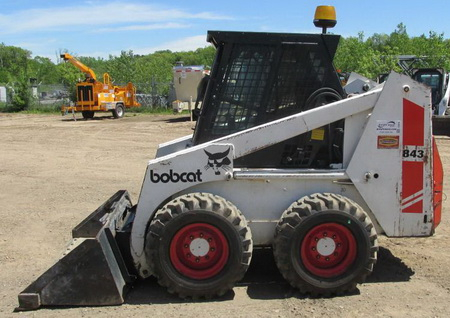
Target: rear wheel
119,111
325,244
199,246
87,114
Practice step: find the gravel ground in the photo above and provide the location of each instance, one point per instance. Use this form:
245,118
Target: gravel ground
55,171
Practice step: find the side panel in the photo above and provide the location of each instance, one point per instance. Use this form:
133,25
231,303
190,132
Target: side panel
438,183
266,199
173,146
171,174
391,165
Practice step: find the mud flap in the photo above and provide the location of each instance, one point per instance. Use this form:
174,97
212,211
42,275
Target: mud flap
94,272
441,125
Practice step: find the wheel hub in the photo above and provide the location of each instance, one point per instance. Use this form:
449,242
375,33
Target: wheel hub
328,250
199,251
199,247
326,246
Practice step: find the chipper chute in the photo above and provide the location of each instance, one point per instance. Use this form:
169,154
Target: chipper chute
94,271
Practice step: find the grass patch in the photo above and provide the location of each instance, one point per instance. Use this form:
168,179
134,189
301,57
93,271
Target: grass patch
41,108
151,110
55,108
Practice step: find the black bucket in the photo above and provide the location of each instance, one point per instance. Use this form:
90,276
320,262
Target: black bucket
94,272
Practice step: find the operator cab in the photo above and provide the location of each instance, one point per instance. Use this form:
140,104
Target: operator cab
261,77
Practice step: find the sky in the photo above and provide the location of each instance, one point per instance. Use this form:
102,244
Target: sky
103,28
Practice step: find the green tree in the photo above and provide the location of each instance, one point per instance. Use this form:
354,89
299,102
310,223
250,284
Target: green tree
44,70
14,66
122,68
356,55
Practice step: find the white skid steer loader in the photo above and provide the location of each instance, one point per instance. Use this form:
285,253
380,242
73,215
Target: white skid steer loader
279,158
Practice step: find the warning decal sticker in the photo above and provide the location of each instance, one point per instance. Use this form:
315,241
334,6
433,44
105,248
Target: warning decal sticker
388,142
388,127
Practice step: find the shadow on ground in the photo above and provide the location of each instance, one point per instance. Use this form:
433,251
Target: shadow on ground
263,281
178,119
95,118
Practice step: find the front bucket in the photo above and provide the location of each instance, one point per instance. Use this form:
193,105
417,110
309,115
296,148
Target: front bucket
93,272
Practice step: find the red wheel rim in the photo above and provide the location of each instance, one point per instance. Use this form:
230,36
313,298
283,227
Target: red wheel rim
199,251
328,250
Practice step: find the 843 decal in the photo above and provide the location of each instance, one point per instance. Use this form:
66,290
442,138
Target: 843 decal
413,153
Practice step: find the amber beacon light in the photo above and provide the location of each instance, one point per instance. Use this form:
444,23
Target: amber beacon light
325,17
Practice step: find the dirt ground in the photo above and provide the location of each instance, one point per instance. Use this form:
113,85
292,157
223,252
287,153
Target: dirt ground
55,171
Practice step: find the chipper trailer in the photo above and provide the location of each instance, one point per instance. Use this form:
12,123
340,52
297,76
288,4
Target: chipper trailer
95,96
279,158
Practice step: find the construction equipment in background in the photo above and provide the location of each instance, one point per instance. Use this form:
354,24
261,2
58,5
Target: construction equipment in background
95,96
279,158
186,81
438,80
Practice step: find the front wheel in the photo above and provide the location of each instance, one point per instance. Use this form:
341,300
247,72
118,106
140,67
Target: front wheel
119,111
325,244
88,114
199,245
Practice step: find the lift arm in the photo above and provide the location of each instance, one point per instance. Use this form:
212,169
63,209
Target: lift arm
86,70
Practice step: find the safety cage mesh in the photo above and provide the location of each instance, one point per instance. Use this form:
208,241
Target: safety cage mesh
260,77
261,83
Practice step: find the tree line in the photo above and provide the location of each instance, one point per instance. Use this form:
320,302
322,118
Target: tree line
368,56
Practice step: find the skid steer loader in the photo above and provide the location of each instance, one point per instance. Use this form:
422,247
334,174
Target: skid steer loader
279,158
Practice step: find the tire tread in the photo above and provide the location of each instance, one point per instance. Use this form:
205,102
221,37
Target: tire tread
295,215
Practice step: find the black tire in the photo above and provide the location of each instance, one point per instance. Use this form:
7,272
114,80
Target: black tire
88,114
119,111
325,244
199,246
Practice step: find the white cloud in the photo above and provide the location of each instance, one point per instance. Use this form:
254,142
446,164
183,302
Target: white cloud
186,44
93,15
142,27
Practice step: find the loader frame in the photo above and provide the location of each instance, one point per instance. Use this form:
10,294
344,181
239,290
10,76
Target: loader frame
407,209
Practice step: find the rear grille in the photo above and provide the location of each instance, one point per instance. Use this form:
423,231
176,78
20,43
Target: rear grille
85,93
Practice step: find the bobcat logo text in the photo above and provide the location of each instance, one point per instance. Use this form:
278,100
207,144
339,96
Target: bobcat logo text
175,177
